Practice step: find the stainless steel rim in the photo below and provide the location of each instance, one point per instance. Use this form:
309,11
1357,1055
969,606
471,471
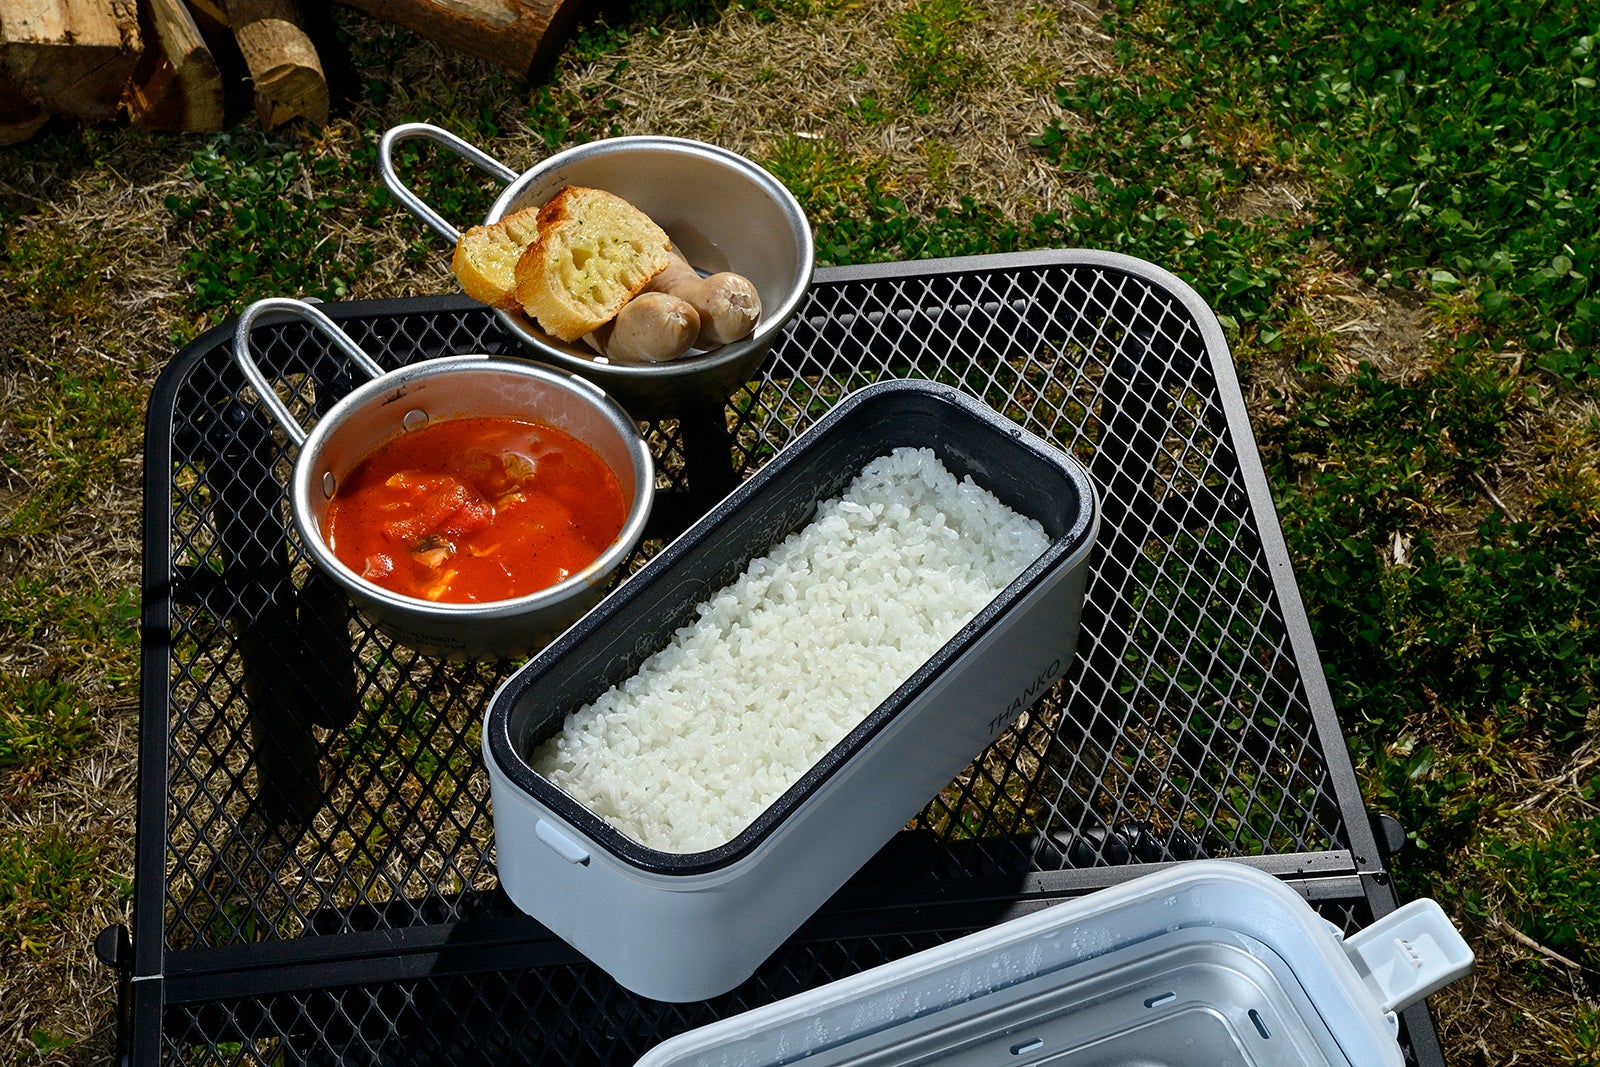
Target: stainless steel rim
633,528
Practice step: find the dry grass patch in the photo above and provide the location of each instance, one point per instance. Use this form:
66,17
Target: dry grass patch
840,82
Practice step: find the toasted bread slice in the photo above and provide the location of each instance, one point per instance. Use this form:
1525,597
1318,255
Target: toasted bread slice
485,261
593,253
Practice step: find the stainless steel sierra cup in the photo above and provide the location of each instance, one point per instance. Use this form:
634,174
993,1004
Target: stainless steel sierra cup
722,211
403,400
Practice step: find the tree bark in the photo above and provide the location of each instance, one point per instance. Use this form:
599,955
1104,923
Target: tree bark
288,74
177,86
521,36
70,57
20,117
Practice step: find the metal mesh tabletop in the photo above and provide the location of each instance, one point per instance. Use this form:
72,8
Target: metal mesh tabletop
316,878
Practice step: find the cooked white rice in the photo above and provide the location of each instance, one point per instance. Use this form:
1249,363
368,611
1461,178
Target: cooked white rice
784,662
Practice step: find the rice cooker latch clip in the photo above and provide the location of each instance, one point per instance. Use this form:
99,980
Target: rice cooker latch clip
1409,953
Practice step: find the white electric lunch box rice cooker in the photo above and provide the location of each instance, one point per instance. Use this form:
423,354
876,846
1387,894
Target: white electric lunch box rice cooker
688,926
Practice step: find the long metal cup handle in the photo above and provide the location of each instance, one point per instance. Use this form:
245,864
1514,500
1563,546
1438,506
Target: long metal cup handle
252,372
444,138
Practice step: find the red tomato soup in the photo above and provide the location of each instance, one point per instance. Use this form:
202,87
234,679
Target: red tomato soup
475,509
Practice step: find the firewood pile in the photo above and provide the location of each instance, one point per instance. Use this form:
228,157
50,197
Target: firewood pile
170,64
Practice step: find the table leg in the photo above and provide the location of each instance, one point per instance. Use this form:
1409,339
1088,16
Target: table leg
708,469
291,642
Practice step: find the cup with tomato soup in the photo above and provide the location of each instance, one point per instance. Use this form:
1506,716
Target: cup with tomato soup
474,507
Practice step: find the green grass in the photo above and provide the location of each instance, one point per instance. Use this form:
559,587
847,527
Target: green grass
1551,886
44,878
75,439
1470,150
60,277
398,742
43,725
931,54
1454,140
256,212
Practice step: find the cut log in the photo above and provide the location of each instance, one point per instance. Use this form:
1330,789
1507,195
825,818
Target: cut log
72,57
238,88
177,86
212,10
20,118
283,62
522,36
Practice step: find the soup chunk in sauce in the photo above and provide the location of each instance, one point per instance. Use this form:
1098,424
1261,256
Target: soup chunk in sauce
475,509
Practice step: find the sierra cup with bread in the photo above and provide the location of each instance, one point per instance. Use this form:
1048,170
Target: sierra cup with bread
722,214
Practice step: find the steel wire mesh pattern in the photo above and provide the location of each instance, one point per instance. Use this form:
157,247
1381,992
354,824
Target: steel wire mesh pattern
321,781
567,1013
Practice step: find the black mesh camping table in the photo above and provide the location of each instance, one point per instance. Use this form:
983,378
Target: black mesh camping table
316,878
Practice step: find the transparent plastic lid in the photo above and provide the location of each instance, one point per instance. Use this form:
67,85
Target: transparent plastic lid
1206,962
